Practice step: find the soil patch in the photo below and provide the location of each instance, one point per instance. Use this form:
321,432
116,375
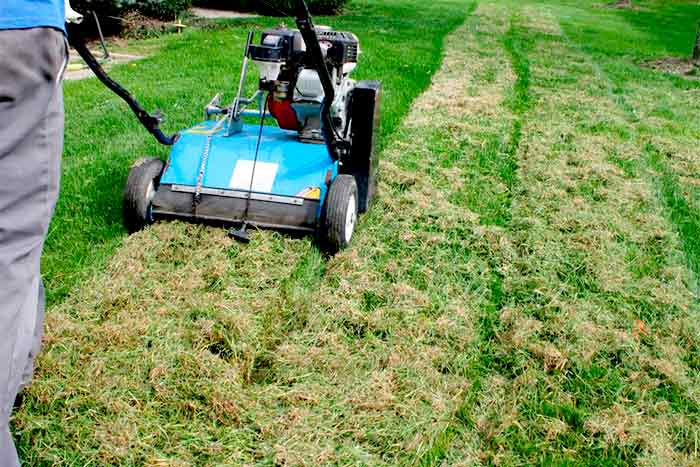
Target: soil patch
620,4
684,67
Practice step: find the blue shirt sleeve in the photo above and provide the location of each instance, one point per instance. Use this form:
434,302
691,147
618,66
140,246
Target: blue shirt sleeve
24,14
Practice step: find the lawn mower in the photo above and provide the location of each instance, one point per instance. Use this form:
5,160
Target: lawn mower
314,171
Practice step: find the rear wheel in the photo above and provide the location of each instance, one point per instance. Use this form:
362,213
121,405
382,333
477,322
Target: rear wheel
141,186
340,213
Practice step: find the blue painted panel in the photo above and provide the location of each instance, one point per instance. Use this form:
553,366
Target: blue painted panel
300,165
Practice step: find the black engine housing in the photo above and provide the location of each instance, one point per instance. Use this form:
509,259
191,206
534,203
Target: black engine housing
284,45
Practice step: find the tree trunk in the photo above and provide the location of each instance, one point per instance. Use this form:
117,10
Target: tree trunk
696,47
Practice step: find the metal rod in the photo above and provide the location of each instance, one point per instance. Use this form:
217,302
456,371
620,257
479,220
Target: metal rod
102,37
253,113
235,109
249,100
241,82
252,175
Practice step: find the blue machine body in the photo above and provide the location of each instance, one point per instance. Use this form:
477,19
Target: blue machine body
300,165
286,168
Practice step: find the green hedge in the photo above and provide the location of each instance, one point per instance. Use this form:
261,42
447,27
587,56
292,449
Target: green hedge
275,7
162,9
170,9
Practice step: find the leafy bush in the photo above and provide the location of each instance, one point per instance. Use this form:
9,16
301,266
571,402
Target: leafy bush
162,9
327,7
275,7
103,7
234,5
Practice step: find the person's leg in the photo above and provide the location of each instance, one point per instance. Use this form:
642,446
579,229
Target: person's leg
31,139
54,139
36,338
7,448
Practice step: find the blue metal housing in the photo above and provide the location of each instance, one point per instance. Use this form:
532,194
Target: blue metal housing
292,172
300,165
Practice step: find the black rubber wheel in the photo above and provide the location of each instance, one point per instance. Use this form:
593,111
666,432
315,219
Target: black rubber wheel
141,186
340,213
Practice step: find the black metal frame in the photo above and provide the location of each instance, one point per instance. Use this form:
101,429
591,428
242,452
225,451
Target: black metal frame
363,160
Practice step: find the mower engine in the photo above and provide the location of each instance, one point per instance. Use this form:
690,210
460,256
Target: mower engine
289,75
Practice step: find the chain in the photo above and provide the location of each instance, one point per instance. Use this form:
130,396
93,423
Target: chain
203,166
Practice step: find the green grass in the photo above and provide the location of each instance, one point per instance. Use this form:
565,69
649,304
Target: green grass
683,212
623,40
103,139
523,292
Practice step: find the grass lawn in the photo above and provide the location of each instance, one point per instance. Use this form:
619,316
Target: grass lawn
524,291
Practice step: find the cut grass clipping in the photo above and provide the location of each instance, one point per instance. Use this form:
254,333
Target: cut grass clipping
524,291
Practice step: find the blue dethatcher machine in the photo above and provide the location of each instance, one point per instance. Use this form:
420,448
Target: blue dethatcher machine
314,171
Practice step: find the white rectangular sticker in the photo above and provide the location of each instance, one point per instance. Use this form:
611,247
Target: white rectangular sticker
265,173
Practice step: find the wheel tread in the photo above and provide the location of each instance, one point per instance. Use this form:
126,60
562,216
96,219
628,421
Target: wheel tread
340,191
135,206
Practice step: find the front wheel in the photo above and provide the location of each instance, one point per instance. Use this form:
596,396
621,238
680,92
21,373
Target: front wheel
141,186
340,213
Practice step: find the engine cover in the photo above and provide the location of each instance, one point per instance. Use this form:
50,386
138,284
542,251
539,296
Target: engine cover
288,73
278,45
284,45
344,46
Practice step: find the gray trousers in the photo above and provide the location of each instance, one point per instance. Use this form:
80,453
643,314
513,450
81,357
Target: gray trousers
32,62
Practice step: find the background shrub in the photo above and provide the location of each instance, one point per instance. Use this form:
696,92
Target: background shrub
161,9
237,5
275,7
109,11
103,7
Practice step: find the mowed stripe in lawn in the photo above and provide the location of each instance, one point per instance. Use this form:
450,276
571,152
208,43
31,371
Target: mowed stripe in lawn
592,358
193,349
662,107
494,80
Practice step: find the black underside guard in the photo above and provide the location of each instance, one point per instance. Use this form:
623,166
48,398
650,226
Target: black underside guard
228,207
